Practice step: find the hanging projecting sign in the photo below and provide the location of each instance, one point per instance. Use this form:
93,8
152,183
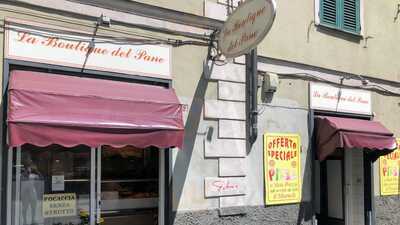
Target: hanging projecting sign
68,48
389,167
282,168
246,27
327,97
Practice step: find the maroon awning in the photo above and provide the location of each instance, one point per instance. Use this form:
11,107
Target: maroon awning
46,109
344,133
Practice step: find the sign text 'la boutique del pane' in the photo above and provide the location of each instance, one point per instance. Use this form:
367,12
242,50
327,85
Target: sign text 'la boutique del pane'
246,27
327,97
83,52
57,43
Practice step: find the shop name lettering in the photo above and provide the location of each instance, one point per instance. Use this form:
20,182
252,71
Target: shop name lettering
240,25
224,186
86,48
335,97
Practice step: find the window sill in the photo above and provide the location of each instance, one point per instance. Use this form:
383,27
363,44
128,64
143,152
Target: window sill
332,28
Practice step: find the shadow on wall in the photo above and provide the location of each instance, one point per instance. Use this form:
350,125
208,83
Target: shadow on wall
183,158
281,119
306,210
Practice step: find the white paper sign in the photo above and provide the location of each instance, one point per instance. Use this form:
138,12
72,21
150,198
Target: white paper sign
326,97
57,183
81,51
59,205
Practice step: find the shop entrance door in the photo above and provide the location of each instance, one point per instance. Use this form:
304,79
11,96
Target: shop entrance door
342,189
127,186
333,197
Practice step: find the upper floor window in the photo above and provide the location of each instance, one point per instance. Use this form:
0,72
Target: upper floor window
341,14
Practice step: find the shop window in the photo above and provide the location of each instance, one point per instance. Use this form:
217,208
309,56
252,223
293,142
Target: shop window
51,185
341,15
56,185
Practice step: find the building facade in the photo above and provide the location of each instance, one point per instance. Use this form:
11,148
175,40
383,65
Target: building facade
97,52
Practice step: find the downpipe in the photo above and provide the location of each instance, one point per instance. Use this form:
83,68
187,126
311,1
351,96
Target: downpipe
252,90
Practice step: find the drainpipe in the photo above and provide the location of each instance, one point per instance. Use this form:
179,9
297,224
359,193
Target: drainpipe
252,89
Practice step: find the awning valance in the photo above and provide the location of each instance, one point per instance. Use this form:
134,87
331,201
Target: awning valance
46,109
345,133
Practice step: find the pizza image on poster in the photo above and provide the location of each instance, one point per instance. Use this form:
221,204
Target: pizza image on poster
282,170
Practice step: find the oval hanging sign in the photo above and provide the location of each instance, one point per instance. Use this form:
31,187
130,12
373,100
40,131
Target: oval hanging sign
246,27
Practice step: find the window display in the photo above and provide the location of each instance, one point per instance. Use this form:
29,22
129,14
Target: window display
51,185
56,185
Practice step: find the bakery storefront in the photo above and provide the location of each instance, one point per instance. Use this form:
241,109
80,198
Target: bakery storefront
88,124
347,143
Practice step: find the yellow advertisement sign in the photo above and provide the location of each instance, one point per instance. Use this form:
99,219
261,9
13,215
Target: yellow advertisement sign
389,169
59,205
282,168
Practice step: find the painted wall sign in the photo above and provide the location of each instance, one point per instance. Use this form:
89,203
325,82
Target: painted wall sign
59,205
389,170
246,27
326,97
282,168
215,186
79,51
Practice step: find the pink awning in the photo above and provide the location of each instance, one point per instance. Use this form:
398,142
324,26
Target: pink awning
344,133
46,109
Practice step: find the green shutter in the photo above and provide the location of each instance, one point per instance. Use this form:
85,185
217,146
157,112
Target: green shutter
329,12
341,14
350,20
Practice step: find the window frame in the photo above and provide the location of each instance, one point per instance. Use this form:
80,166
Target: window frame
318,20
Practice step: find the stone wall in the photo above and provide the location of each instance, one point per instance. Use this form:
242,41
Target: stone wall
254,215
387,210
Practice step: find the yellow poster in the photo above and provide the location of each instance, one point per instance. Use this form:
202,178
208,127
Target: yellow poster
282,168
59,205
389,169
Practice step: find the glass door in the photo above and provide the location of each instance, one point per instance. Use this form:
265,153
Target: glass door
335,196
127,186
51,185
332,197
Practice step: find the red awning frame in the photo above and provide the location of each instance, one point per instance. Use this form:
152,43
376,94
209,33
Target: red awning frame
334,133
45,109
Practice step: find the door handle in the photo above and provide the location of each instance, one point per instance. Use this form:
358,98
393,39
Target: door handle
347,189
99,220
369,215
